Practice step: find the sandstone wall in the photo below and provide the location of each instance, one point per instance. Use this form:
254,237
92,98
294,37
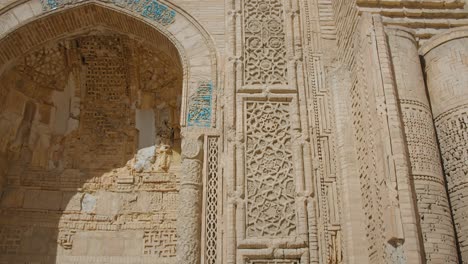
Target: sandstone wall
271,132
78,185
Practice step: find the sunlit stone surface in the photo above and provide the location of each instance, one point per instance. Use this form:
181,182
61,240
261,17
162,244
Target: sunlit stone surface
233,132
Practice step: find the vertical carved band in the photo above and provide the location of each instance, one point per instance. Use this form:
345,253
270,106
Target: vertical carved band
212,202
265,49
190,201
269,170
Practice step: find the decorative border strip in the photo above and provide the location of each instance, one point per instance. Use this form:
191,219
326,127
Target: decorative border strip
152,9
212,201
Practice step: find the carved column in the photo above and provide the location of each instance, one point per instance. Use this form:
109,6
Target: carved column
446,59
190,203
426,169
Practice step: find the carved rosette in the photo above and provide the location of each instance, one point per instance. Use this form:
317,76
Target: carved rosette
190,203
265,50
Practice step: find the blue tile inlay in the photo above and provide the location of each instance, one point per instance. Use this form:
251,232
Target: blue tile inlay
200,106
152,9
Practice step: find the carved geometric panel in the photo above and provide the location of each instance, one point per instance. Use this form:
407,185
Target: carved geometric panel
371,190
429,184
158,73
424,153
265,52
65,238
452,131
269,170
46,67
161,243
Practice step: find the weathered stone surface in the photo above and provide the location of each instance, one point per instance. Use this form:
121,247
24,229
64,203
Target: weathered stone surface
233,132
45,200
74,164
446,69
429,182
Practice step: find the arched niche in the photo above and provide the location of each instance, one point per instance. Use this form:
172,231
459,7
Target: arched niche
26,25
69,27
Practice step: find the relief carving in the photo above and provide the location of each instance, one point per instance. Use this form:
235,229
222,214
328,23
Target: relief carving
161,243
269,170
190,203
335,249
265,47
163,158
65,239
190,148
76,143
212,201
92,152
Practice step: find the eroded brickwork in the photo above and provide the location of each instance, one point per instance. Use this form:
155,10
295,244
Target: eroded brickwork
79,178
277,132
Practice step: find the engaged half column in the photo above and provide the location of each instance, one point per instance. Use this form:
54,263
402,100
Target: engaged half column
446,59
426,169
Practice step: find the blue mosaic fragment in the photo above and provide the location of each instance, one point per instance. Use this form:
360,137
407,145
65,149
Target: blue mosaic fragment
200,106
152,9
51,4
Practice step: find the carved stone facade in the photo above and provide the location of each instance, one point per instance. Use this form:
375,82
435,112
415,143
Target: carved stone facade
233,131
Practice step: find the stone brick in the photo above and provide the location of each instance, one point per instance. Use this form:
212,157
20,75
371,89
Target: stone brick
240,132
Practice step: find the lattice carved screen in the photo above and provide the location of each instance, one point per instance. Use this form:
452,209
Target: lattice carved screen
212,202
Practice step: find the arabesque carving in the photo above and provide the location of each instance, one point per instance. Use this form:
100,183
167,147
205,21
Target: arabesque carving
233,131
269,170
265,47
